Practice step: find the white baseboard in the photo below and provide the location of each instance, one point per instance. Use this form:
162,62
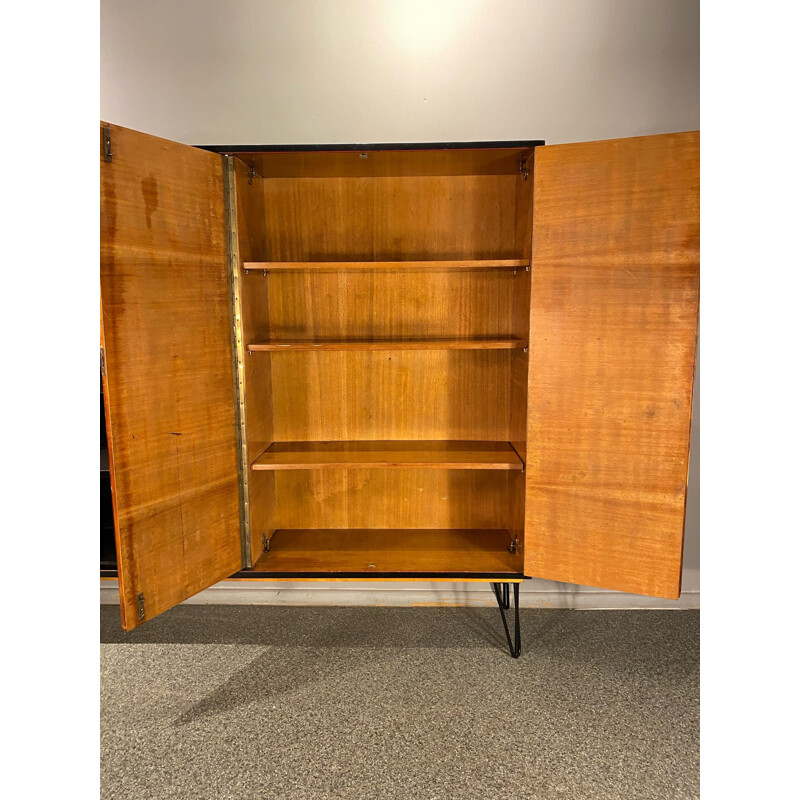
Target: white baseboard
533,594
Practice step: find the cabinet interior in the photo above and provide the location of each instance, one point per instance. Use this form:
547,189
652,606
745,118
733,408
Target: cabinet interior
384,300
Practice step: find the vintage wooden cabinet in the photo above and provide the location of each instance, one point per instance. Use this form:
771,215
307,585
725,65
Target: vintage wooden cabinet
457,362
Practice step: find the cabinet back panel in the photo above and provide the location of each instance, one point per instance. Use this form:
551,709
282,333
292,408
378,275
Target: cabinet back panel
395,304
382,498
363,219
257,376
396,394
388,163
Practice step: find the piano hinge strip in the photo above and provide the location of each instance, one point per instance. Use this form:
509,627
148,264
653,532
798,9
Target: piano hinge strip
232,230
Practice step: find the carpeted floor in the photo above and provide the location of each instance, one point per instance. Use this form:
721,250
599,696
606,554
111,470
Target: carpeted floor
268,702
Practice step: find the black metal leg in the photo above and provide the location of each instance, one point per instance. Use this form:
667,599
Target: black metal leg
501,593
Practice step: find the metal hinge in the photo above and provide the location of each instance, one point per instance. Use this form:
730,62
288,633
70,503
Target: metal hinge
140,606
252,173
265,542
102,362
107,154
523,167
512,548
229,185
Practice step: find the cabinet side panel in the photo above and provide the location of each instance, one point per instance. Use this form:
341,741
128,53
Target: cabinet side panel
169,371
615,285
518,394
520,310
255,290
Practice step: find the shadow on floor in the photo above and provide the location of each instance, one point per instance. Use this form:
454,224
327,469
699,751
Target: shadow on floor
397,703
611,639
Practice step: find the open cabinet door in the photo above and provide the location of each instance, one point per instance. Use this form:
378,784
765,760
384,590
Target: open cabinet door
169,385
614,305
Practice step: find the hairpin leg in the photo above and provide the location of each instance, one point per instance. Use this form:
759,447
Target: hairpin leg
501,593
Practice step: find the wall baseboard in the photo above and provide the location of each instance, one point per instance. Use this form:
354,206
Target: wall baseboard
400,594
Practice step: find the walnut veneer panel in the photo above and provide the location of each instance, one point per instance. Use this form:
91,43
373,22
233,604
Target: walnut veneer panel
615,282
169,388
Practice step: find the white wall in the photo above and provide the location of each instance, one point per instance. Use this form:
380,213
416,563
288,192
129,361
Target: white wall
327,71
277,71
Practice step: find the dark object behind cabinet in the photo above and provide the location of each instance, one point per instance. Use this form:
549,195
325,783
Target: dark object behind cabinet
108,547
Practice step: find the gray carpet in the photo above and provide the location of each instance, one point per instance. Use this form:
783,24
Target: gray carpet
337,703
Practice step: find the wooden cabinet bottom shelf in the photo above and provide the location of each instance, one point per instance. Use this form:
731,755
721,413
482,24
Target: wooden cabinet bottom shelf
440,454
389,553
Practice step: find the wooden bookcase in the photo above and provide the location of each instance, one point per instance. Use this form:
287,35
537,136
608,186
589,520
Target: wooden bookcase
456,362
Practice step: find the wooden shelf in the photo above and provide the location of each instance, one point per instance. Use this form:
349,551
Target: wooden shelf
457,264
471,343
379,551
388,454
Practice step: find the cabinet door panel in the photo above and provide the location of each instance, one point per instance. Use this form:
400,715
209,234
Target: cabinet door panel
614,305
170,400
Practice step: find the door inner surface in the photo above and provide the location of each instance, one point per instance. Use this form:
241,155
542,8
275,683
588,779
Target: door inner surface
615,290
169,384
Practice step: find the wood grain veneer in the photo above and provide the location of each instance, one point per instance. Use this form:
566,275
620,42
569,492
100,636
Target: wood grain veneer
471,343
392,498
169,388
387,163
431,218
390,550
388,455
406,394
614,304
458,305
252,244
